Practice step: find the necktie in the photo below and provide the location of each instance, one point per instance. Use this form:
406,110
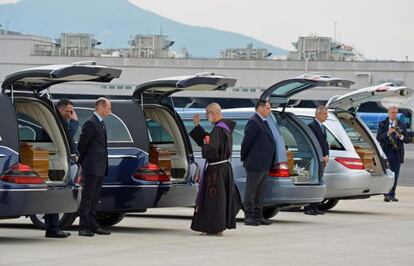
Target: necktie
104,128
323,129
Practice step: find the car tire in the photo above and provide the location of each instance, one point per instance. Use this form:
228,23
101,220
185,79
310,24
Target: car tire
270,212
107,219
65,220
327,204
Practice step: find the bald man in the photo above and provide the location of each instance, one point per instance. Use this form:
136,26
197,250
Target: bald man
215,209
93,156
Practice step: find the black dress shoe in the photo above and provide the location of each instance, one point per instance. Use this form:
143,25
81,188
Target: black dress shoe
58,234
386,199
101,231
310,211
86,232
394,199
318,211
252,222
263,221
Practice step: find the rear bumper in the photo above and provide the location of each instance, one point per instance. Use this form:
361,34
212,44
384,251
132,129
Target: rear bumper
357,183
21,202
130,198
283,192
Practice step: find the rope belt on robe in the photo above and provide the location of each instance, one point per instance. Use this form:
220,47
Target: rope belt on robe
207,164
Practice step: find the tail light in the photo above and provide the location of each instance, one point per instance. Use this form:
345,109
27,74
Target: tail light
279,170
21,174
351,163
151,172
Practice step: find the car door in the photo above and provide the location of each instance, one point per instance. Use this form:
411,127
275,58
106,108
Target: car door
158,92
9,137
280,93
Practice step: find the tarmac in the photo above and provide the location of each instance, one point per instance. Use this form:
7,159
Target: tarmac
355,232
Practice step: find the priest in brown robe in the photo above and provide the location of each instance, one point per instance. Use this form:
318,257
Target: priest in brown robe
215,206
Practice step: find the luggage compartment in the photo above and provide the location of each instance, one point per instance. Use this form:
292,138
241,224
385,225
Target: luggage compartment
167,147
362,142
42,146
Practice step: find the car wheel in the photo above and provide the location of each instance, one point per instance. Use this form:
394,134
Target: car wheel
109,218
65,220
269,212
327,204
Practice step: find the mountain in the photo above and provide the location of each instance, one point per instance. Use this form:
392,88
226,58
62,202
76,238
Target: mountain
113,22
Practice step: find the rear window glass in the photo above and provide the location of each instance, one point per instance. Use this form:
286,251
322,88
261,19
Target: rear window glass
116,129
334,143
30,130
289,88
157,133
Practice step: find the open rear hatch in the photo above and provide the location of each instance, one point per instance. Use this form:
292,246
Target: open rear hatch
170,146
304,164
40,138
365,144
40,78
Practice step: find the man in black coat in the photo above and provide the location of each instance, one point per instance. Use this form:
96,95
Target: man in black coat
258,152
65,108
93,156
319,129
392,134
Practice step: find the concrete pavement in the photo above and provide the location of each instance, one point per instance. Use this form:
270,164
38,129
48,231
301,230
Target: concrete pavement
356,232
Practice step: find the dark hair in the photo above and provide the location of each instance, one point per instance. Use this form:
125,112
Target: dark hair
260,103
63,103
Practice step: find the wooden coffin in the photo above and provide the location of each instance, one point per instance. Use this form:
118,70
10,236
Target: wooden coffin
36,158
367,157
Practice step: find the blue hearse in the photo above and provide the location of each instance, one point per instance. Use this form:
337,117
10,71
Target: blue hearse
151,162
37,171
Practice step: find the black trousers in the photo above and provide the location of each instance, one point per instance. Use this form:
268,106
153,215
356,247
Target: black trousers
91,192
52,222
254,194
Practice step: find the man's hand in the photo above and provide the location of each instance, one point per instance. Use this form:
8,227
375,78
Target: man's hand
391,130
74,116
196,120
325,160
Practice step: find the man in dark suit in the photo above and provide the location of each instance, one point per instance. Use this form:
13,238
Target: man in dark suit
65,108
93,156
319,129
392,134
258,152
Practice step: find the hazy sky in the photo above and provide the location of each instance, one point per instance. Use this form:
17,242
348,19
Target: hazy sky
381,29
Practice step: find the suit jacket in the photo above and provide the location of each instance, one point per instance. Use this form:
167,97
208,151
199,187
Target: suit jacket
258,149
92,147
385,143
320,136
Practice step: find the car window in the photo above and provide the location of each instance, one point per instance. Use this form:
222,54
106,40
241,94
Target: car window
30,130
157,133
334,143
238,132
116,129
356,138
